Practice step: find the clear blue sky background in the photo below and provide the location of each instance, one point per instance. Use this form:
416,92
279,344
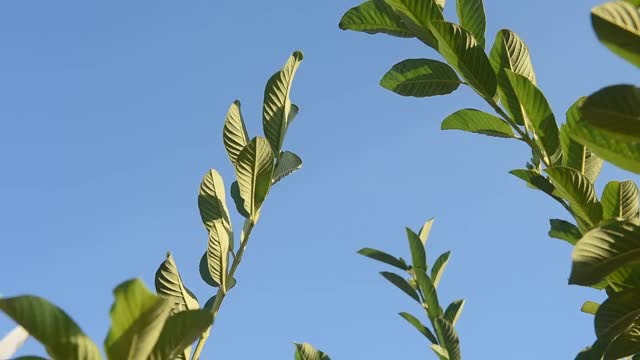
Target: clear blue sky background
111,112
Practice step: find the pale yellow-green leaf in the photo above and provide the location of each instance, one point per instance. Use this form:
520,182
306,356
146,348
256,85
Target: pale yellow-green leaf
254,171
234,133
288,163
218,254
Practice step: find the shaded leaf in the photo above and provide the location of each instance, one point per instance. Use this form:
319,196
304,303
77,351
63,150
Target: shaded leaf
169,284
579,192
430,295
614,317
401,284
564,230
536,181
617,24
374,16
620,200
425,230
438,268
419,326
180,331
472,17
234,133
204,271
615,109
383,257
448,338
218,255
238,200
421,78
418,15
254,171
212,201
287,164
477,121
453,311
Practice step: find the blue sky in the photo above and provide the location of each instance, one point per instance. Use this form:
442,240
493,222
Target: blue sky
111,112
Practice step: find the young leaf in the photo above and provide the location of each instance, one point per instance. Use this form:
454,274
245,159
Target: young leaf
615,109
603,250
539,114
277,105
51,326
418,15
477,121
617,24
453,311
463,52
418,254
234,133
212,201
471,16
576,155
448,338
179,332
383,257
511,53
579,192
374,16
137,318
254,171
287,164
438,268
218,255
307,352
169,285
620,200
425,230
401,284
419,326
590,307
421,78
564,230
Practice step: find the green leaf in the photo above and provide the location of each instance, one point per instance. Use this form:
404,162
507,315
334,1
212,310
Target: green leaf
463,52
218,255
277,105
509,52
383,257
212,201
419,326
421,78
238,200
453,311
287,164
616,316
603,250
438,268
418,254
477,121
418,15
401,284
169,285
615,109
137,319
471,16
429,293
620,200
425,230
307,352
576,155
539,115
590,307
441,352
537,181
448,338
254,171
564,230
234,133
204,271
51,326
579,192
179,332
374,16
617,24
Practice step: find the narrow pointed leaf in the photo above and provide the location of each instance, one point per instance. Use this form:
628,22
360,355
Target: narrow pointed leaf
277,104
137,319
464,53
425,230
536,181
438,268
448,338
620,200
234,133
254,171
307,352
472,17
373,17
477,121
180,331
617,24
603,250
421,78
418,254
419,326
615,109
509,52
287,164
401,284
218,254
212,201
579,192
453,311
51,326
430,295
564,230
383,257
576,155
169,285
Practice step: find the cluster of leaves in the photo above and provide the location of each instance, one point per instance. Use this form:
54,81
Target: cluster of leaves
164,326
565,161
421,286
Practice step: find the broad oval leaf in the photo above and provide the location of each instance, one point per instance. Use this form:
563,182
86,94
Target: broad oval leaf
564,230
575,154
579,192
418,15
204,271
307,352
603,250
179,332
287,164
254,171
617,24
234,133
218,255
477,121
615,317
538,112
462,51
472,17
212,201
401,284
453,311
169,284
448,338
509,52
51,326
419,326
438,268
615,109
383,257
137,319
374,16
277,105
421,78
620,200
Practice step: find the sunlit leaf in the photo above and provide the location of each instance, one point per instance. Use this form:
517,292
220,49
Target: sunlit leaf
169,284
418,15
615,109
620,200
425,230
471,16
307,352
617,24
448,338
374,16
453,311
212,201
421,78
438,268
579,192
418,254
179,332
218,254
576,155
477,121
